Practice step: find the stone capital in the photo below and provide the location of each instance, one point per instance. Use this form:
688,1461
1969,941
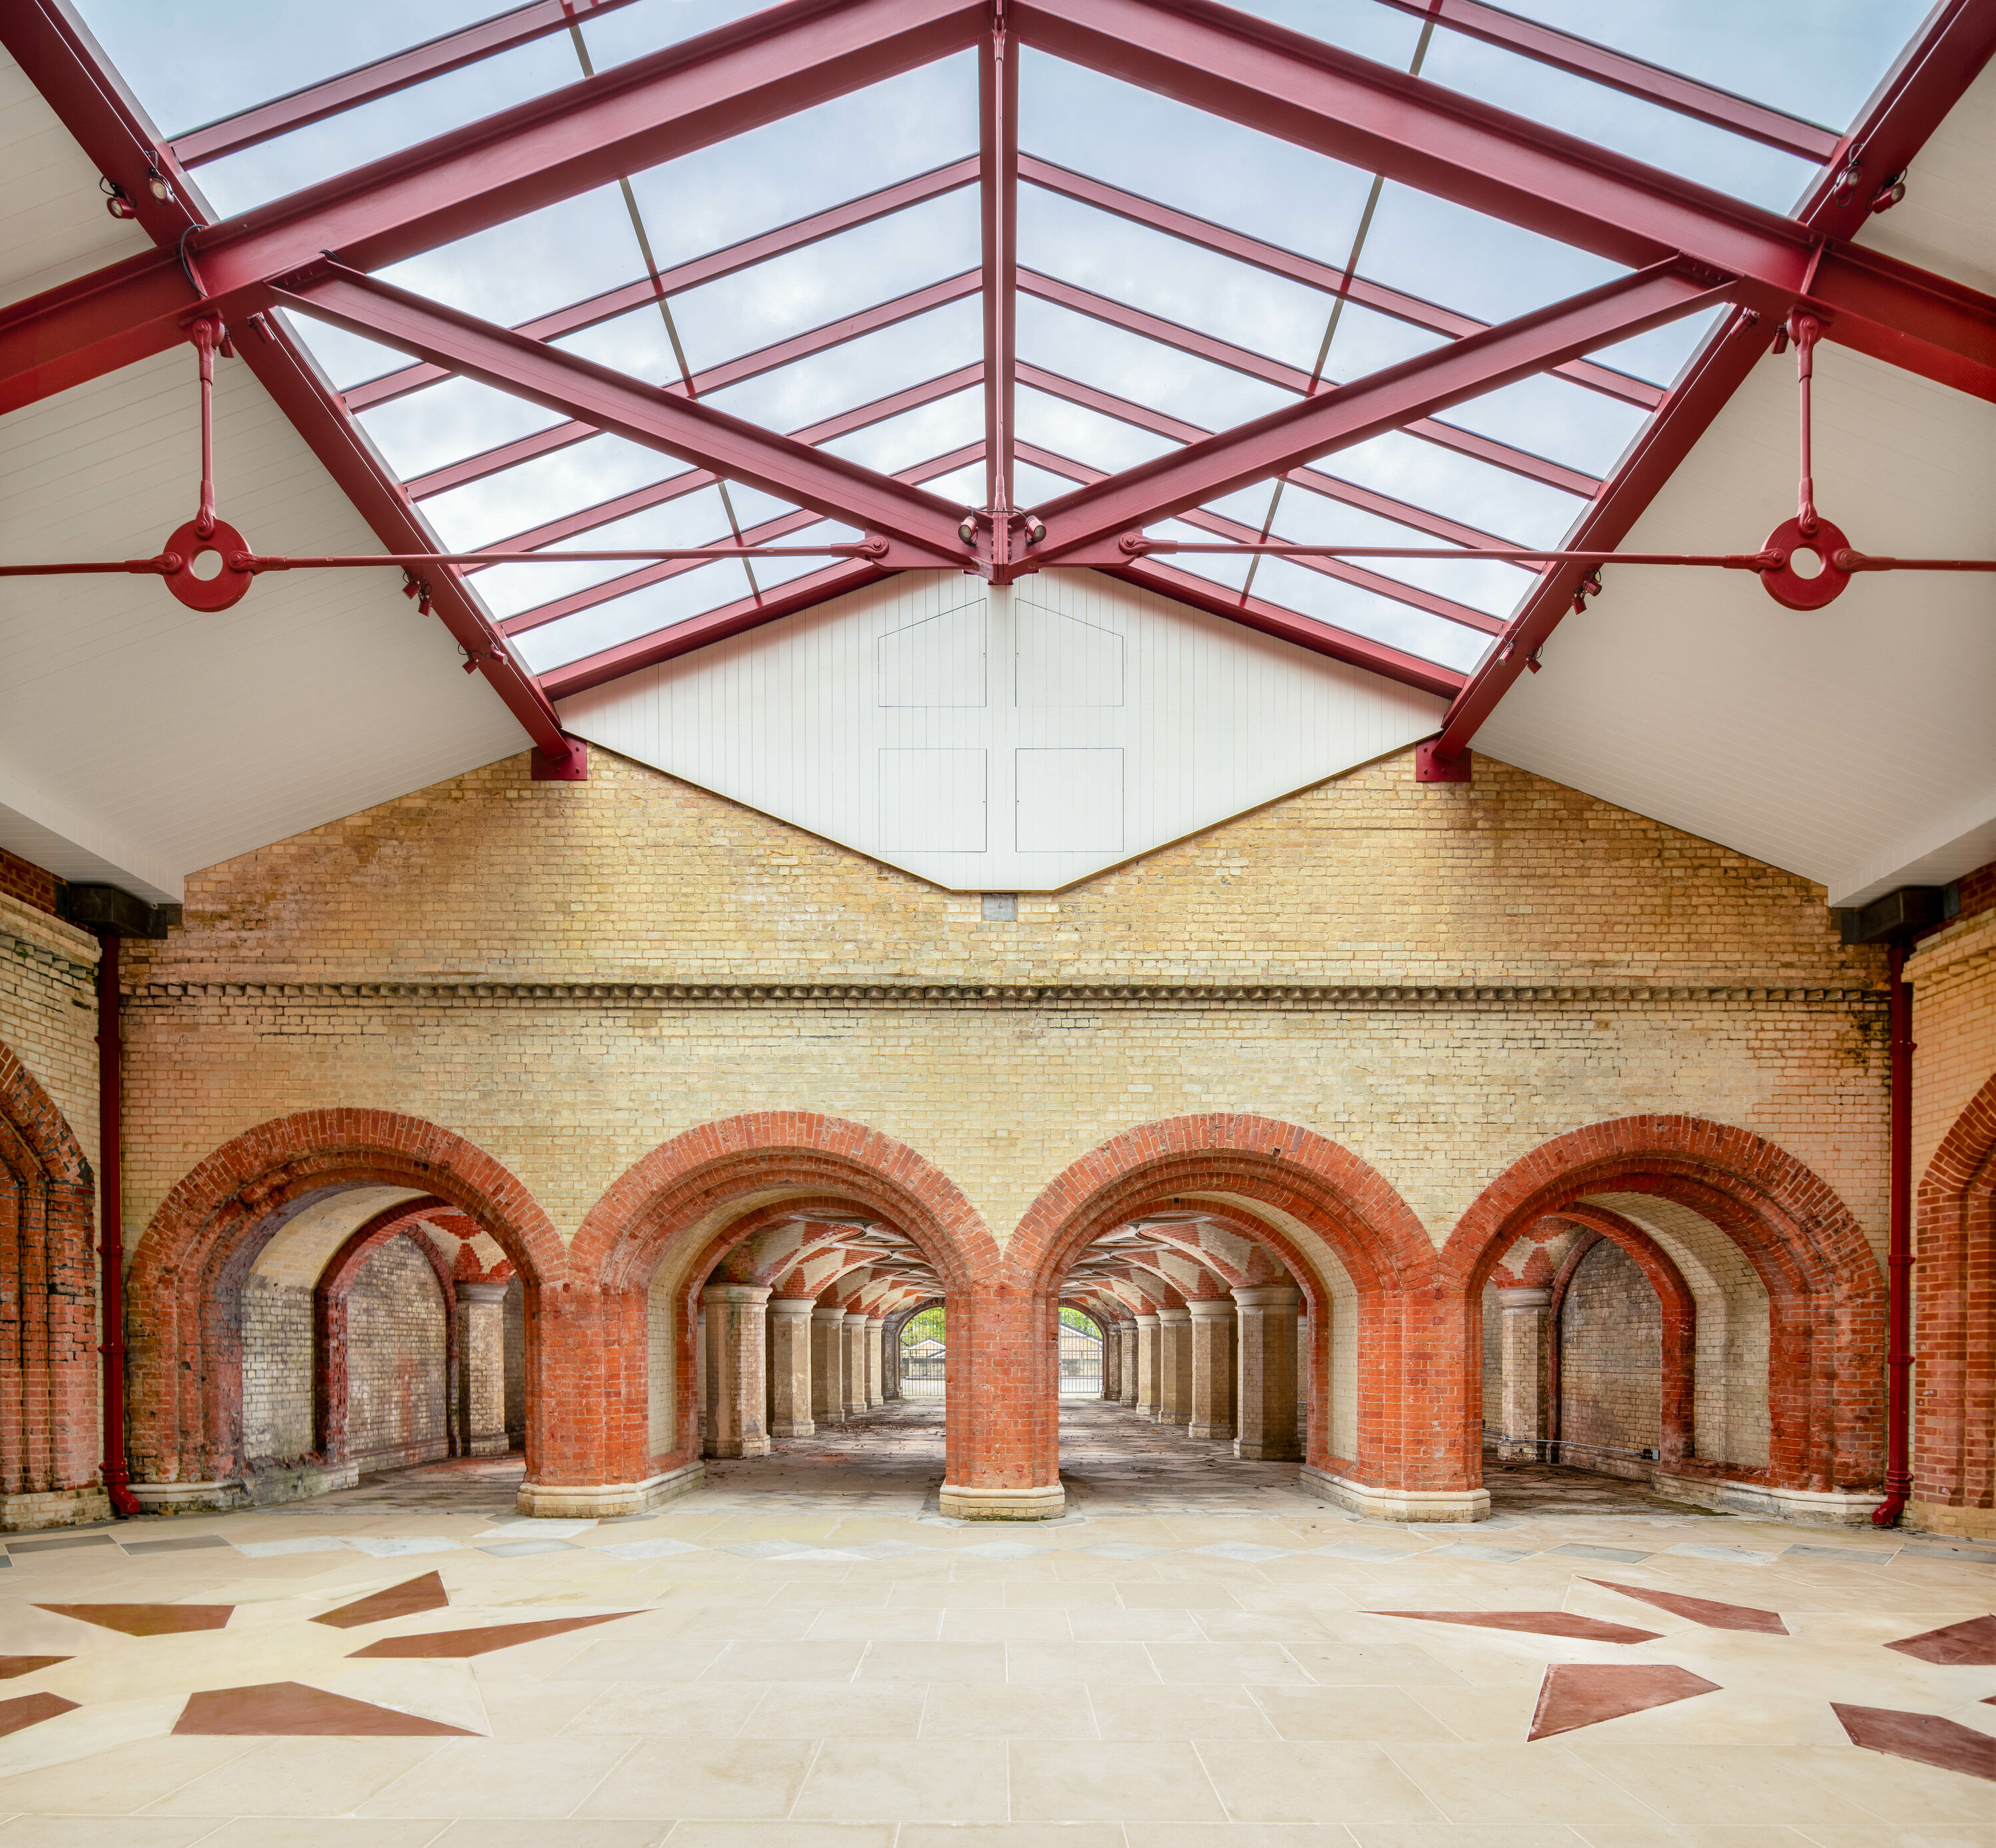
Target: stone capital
1282,1297
1174,1315
735,1293
857,1315
827,1317
480,1293
791,1309
1210,1308
1145,1321
1532,1296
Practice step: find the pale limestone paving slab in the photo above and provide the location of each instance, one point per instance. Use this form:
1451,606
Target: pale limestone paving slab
767,1549
521,1549
649,1549
1468,1549
316,1543
1359,1550
375,1546
885,1549
1731,1555
1242,1551
501,1530
1000,1549
1618,1555
1843,1556
1120,1550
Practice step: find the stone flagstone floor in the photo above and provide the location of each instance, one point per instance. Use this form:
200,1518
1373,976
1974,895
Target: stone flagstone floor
804,1655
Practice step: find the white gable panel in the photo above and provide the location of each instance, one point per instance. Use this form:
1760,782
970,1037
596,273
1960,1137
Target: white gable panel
1002,739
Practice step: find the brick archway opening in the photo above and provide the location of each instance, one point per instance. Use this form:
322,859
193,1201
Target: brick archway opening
1684,1180
186,1292
1325,1222
1954,1287
688,1216
49,1425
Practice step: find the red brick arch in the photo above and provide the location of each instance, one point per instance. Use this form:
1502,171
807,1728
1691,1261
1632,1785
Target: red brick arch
1954,1299
1292,1171
48,1335
182,1314
686,1190
1826,1298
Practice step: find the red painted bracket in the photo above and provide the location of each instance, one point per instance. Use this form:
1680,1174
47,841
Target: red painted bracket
574,768
1429,768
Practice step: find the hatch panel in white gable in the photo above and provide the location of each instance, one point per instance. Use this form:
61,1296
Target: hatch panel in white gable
994,739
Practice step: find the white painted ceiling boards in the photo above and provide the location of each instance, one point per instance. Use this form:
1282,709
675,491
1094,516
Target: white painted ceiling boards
990,739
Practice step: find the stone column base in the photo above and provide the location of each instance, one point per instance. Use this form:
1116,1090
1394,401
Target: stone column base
189,1498
604,1501
489,1444
1816,1507
54,1508
1425,1505
1209,1430
265,1483
1045,1504
739,1446
1280,1451
808,1429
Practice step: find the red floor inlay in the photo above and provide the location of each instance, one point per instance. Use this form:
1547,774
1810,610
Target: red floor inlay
1969,1644
424,1594
31,1709
1708,1611
11,1666
291,1710
1926,1738
1574,1695
1544,1623
482,1642
146,1620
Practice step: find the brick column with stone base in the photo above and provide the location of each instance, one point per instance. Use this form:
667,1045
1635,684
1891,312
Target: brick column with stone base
733,1365
1212,1334
1126,1340
481,1369
1527,1373
1146,1401
1265,1373
828,1399
876,1326
1175,1366
790,1367
1112,1359
855,1364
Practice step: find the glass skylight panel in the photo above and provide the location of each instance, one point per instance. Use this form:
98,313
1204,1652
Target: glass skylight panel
1819,59
1215,567
389,124
531,265
345,359
694,519
770,571
579,476
1168,277
630,32
805,163
1468,261
1661,354
1142,371
1400,625
804,289
915,436
1611,119
1083,436
657,606
1179,156
1548,417
1478,493
808,391
1372,31
446,422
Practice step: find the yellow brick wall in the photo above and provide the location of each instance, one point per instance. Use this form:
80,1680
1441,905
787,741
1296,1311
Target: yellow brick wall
1953,976
48,1010
1551,961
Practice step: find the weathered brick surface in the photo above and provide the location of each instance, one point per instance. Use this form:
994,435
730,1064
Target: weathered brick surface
1953,976
396,1331
28,884
277,1414
1372,1012
1611,1341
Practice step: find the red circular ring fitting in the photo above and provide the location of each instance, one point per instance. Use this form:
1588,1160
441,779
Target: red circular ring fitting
1787,586
228,585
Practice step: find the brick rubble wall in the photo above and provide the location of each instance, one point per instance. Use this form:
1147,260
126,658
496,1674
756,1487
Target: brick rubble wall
397,1412
1611,1364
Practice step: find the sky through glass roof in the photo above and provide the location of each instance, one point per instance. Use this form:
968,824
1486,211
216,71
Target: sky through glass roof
1179,275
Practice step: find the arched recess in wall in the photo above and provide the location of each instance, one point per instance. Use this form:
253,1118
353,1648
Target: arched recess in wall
1954,1284
326,1173
1326,1220
1793,1402
50,1438
678,1219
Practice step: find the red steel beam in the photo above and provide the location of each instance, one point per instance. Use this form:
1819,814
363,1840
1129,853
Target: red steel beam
682,277
998,201
770,533
78,82
297,109
1324,277
1274,372
684,98
1668,89
1670,437
1345,571
509,455
1929,78
1085,522
607,400
1379,120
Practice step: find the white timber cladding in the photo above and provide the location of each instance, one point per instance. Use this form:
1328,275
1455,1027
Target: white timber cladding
997,738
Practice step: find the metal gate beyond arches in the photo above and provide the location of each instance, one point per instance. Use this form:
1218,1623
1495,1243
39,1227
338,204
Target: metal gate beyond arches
1080,1355
923,1352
